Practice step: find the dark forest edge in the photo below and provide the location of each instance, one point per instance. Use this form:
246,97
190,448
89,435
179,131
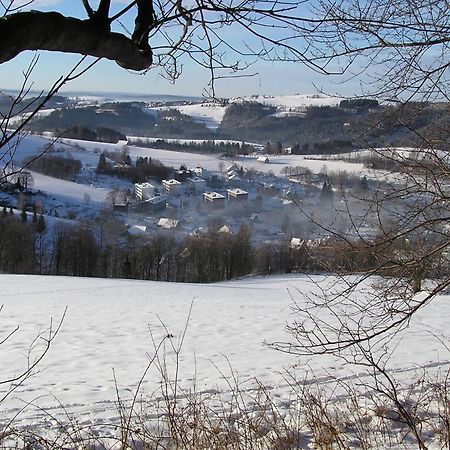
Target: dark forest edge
105,250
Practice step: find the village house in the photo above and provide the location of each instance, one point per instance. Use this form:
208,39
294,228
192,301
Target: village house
214,199
152,205
237,194
168,224
144,191
172,186
119,206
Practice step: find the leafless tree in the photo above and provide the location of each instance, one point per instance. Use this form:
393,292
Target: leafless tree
37,351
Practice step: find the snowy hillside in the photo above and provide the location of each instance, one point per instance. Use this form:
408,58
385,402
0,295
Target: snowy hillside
211,113
107,334
297,101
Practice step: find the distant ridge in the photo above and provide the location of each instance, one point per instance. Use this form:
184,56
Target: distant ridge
116,96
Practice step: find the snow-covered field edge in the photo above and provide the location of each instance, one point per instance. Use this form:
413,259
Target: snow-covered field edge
201,378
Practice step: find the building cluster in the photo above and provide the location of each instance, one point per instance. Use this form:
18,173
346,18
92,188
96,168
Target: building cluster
199,200
190,182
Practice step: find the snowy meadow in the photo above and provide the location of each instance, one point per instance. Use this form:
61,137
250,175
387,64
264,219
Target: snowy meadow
171,344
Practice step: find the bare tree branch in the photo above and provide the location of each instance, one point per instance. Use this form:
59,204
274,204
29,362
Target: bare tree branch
52,31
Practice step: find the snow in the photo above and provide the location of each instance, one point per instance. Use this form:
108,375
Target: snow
106,338
175,159
315,163
297,101
211,114
16,120
68,191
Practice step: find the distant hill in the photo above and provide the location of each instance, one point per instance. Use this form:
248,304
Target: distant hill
325,124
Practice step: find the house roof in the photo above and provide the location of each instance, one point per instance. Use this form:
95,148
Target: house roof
196,180
144,185
156,200
225,229
237,191
167,224
172,181
137,229
213,195
296,242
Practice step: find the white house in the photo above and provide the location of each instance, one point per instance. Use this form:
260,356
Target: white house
167,224
296,243
237,194
155,204
172,186
214,198
137,230
225,229
263,159
144,191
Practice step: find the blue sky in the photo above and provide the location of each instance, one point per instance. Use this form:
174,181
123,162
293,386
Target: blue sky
270,78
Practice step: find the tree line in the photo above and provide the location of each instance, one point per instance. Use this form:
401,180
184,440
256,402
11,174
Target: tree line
64,167
229,149
105,249
101,134
144,168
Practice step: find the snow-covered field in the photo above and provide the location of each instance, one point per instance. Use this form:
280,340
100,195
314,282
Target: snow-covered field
111,328
210,114
210,162
314,163
296,101
68,191
87,152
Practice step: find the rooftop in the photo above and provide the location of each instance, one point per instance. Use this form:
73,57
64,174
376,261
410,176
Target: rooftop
156,200
237,191
196,180
213,195
167,224
172,181
144,185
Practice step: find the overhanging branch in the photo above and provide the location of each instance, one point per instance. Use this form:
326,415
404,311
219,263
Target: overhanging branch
52,31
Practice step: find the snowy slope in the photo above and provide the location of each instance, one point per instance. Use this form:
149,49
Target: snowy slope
315,163
87,152
68,191
109,324
297,101
211,114
210,162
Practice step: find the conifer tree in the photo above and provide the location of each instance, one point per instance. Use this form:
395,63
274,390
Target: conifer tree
41,226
